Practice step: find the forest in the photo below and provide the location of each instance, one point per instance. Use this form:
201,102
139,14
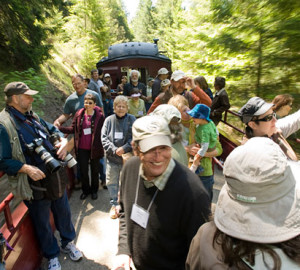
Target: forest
255,44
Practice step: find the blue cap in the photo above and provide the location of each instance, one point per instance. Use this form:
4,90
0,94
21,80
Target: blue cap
200,111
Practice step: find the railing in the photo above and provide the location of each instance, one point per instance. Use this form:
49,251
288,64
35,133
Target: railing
226,123
5,208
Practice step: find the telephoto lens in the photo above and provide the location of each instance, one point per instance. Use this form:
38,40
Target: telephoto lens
52,164
69,159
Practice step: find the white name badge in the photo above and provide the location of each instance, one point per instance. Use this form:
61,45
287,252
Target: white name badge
140,113
139,215
87,131
118,135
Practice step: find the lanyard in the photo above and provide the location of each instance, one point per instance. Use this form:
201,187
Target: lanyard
137,193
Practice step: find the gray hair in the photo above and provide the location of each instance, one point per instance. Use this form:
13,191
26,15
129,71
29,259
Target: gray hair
134,71
120,99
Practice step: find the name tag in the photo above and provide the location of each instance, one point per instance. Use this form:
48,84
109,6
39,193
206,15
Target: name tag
118,135
139,215
140,113
87,131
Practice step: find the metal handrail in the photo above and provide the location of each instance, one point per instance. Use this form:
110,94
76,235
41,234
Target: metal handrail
225,120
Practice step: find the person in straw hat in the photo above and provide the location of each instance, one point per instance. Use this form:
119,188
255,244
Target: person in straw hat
257,216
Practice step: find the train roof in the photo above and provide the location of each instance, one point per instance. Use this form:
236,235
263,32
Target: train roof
130,50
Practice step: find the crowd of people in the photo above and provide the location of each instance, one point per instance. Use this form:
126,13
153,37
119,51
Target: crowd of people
152,147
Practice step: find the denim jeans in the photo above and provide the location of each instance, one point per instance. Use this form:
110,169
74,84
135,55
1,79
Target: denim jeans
208,182
102,169
39,211
112,180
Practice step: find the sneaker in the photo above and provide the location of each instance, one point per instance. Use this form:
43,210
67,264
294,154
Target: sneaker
74,253
113,213
54,264
103,184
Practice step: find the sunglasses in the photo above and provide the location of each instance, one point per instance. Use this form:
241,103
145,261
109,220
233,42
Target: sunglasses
267,118
89,102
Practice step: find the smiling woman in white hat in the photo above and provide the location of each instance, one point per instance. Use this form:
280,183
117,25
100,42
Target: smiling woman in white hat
257,216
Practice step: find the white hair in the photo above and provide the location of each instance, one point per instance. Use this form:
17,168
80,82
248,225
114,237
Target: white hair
134,71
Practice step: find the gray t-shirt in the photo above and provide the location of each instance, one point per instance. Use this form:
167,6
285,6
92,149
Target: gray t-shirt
75,102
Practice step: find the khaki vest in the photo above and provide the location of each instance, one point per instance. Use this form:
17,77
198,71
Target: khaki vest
18,182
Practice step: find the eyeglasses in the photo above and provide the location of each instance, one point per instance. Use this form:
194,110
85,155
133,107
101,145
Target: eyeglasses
88,102
267,118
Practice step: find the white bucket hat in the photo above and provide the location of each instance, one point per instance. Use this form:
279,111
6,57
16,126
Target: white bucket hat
260,201
151,131
168,112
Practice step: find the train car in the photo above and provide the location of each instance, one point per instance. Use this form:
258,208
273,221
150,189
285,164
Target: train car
124,57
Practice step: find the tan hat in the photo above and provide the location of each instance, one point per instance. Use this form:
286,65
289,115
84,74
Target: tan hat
151,131
167,111
260,201
162,71
18,88
177,75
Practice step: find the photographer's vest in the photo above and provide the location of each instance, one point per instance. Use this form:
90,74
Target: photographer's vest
52,187
18,182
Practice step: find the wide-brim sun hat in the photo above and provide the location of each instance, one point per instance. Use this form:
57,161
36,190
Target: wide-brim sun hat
151,131
254,107
260,200
200,111
168,112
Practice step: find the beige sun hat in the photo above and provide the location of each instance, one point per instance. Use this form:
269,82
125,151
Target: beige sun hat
151,131
260,201
167,111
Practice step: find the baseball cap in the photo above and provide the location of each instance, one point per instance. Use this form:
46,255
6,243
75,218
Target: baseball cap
165,82
162,71
106,75
260,201
200,111
151,131
18,88
177,75
254,107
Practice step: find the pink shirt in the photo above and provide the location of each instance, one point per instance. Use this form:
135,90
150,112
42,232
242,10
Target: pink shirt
85,140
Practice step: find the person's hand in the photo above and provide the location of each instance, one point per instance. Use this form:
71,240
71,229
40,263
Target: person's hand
190,82
120,151
56,123
192,149
62,148
121,262
33,172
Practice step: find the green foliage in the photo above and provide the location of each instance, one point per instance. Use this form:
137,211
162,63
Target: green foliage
35,80
22,34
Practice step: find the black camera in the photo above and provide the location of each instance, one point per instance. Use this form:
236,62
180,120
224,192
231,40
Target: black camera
52,164
69,159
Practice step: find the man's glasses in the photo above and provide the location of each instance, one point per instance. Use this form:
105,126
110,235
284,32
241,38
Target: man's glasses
88,102
267,118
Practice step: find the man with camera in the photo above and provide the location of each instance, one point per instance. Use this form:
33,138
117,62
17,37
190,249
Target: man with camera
34,161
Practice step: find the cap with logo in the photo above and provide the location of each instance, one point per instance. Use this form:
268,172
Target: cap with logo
18,88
